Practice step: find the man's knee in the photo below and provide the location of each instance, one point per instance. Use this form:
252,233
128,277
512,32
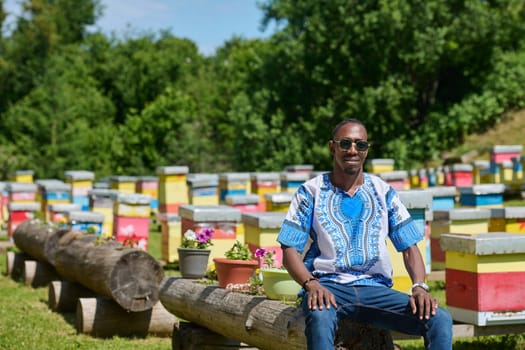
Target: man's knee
326,318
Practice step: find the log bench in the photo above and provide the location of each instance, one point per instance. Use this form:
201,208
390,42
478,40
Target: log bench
220,319
254,320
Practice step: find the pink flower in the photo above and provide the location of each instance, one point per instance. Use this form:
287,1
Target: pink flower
259,253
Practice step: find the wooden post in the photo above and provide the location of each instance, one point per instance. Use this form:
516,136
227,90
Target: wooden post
15,265
104,318
189,336
38,273
63,295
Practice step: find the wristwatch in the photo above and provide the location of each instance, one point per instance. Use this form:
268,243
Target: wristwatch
420,284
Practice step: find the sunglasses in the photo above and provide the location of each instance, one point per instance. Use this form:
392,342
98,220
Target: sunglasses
346,144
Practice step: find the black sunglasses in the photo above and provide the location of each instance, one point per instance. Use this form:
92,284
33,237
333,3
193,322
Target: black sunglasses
346,144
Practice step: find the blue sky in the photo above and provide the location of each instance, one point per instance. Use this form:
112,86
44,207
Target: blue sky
209,23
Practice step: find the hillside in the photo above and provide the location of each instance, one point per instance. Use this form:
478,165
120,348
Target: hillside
510,131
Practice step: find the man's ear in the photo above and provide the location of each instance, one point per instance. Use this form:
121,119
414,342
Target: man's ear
330,146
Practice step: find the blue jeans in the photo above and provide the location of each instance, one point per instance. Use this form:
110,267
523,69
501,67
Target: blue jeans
381,307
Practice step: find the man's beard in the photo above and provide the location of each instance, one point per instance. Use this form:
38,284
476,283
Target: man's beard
352,171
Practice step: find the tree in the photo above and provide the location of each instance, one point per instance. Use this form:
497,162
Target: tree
40,31
389,63
63,123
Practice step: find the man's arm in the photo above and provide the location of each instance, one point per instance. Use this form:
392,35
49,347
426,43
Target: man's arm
420,301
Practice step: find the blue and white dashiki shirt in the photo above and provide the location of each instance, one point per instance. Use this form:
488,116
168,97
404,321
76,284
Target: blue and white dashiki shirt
344,236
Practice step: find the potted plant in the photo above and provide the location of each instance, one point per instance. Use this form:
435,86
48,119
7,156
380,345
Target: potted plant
236,267
193,253
277,282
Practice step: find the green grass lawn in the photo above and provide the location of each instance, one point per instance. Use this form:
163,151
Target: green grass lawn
27,323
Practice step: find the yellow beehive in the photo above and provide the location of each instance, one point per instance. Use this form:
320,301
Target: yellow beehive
457,221
102,201
233,183
263,183
22,176
203,189
380,165
123,184
173,188
418,204
508,219
278,201
171,236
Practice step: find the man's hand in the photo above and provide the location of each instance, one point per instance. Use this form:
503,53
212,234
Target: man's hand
318,296
422,303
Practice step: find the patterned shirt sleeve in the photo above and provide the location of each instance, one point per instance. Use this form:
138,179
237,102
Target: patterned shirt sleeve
296,227
403,229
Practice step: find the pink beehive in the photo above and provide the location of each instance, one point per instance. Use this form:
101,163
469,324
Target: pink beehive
502,153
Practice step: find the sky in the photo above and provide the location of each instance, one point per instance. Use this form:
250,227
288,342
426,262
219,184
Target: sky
209,23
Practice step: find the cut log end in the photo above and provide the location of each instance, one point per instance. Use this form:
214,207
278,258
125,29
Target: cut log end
135,280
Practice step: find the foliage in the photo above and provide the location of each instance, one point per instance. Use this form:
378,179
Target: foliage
199,240
422,75
239,251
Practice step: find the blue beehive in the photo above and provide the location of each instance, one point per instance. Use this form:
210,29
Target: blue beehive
443,197
482,195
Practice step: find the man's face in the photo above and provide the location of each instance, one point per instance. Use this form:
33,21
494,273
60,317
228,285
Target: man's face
349,161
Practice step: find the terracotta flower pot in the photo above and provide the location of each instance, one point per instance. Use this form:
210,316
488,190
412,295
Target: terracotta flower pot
279,285
234,271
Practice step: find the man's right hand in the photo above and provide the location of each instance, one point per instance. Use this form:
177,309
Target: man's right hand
318,296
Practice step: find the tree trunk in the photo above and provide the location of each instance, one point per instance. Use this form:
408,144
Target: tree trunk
255,320
104,318
129,276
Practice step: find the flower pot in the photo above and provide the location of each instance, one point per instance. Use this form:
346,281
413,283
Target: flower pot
279,285
234,271
193,262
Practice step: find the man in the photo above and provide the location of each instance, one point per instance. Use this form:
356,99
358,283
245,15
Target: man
334,245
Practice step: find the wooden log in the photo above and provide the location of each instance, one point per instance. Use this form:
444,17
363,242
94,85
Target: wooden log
51,245
31,236
256,320
129,276
63,295
15,265
104,318
38,273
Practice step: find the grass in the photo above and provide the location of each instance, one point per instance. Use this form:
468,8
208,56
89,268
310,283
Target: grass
27,323
509,131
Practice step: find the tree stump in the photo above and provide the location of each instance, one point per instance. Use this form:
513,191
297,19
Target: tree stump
104,318
256,320
129,276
